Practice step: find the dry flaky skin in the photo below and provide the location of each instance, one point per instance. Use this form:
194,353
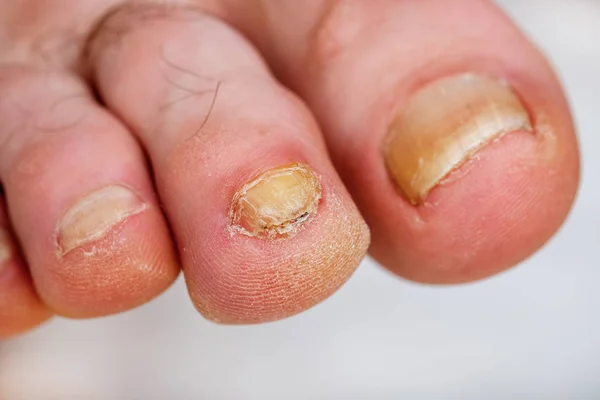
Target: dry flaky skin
277,202
444,124
285,277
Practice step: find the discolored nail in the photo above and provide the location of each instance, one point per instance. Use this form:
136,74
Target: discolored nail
277,202
444,124
5,246
95,215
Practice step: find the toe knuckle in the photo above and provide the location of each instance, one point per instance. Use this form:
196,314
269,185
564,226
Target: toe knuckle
120,20
341,28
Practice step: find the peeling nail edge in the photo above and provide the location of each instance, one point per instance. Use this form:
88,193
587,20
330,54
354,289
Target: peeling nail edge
101,233
288,230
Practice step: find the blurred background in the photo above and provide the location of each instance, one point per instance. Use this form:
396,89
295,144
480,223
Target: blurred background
531,333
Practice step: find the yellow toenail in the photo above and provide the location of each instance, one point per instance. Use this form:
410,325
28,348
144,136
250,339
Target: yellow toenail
95,215
446,123
277,202
5,246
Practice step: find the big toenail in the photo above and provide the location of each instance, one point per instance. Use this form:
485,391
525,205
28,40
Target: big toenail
444,124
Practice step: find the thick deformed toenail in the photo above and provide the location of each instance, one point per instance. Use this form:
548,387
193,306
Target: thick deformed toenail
444,124
93,216
276,203
5,247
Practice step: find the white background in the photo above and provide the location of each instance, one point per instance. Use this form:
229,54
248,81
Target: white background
532,333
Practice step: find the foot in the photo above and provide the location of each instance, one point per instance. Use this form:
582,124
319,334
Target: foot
248,141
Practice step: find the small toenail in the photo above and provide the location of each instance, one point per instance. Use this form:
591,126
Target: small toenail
5,247
277,202
95,215
444,124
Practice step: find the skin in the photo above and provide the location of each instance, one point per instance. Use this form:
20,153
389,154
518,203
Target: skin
184,104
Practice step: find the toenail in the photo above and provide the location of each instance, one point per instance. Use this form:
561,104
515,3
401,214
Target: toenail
444,124
95,215
5,247
277,202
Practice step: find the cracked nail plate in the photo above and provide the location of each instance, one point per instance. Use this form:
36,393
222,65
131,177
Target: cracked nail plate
276,203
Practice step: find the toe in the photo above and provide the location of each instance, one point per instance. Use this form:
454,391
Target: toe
79,197
264,226
20,306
